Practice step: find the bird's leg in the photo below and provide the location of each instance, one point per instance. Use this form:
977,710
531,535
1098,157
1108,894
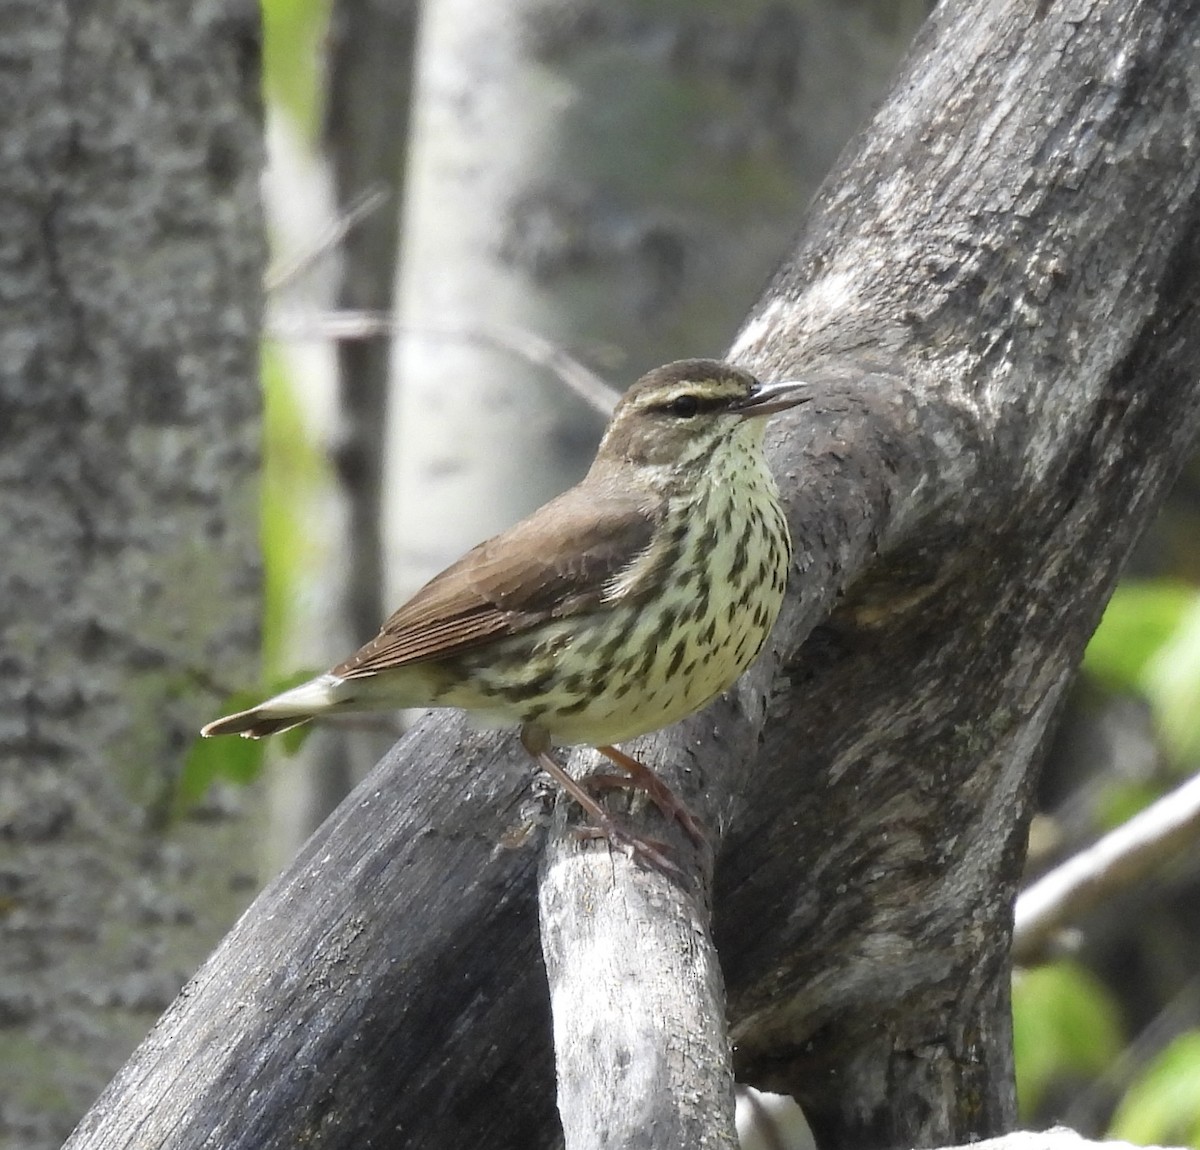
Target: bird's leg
642,778
602,822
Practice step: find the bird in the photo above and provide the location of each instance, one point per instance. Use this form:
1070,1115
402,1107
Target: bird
625,604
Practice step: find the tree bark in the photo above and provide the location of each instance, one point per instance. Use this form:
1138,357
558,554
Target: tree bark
1043,327
994,304
616,991
130,272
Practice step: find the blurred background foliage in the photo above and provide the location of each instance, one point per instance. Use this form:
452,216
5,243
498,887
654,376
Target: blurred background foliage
295,468
293,34
1107,1037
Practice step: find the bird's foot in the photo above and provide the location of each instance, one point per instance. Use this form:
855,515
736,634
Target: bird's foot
603,825
653,852
640,777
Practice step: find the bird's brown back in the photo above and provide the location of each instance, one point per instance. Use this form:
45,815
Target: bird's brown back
553,564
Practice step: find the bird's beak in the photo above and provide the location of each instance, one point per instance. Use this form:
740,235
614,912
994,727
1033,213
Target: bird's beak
768,398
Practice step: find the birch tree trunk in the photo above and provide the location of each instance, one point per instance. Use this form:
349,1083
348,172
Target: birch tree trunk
130,273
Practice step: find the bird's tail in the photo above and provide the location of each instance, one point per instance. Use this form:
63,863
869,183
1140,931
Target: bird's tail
251,724
281,713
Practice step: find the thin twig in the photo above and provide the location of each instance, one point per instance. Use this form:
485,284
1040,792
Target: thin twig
1117,861
359,209
595,391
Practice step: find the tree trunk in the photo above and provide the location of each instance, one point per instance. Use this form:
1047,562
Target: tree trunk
366,135
994,307
130,276
371,61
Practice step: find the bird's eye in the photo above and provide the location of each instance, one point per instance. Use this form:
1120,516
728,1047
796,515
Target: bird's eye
685,406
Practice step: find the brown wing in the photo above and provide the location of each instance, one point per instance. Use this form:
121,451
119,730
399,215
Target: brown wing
553,564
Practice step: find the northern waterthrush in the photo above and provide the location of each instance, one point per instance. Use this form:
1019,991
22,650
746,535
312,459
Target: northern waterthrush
622,606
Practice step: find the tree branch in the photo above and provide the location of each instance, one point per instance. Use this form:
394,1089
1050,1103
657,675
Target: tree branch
349,326
638,1003
1119,860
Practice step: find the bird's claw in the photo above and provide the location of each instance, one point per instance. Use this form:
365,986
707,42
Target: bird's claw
670,806
648,850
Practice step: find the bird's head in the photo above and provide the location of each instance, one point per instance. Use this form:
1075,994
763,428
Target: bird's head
679,414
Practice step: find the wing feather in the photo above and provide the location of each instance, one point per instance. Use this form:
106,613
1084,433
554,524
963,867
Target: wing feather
554,564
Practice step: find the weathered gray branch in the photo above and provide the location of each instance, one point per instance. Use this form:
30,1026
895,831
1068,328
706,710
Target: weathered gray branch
638,1005
999,403
995,302
1166,829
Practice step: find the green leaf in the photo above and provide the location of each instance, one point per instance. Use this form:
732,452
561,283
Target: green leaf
1120,800
238,760
1064,1022
1149,642
293,37
1171,681
1163,1105
1140,618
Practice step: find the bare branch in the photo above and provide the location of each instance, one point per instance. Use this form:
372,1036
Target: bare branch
637,1000
593,389
596,392
1119,860
279,276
